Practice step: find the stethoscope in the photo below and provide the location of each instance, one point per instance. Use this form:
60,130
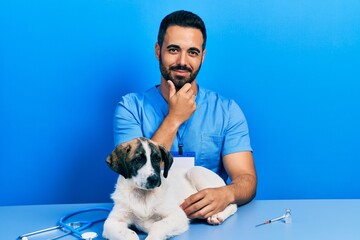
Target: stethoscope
73,228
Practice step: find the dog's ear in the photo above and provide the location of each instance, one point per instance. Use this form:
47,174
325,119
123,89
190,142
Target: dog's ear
117,160
167,158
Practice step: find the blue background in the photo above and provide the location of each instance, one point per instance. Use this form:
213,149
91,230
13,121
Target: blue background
293,67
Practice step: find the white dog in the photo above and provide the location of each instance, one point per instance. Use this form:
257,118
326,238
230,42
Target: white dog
150,201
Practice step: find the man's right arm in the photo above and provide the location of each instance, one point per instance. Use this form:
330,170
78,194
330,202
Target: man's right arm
127,125
181,107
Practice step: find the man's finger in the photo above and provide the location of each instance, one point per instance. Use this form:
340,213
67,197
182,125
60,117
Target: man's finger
191,200
202,212
185,88
172,89
193,203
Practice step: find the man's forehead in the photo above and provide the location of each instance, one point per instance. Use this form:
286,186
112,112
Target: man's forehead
184,37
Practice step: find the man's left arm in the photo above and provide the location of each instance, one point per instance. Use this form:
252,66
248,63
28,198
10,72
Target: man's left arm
242,189
241,170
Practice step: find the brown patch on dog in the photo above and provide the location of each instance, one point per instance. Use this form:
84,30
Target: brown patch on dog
121,155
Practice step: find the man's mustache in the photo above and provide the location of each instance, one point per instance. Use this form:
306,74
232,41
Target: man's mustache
180,67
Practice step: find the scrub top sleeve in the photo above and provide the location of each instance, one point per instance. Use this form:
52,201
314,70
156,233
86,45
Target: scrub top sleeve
126,122
237,137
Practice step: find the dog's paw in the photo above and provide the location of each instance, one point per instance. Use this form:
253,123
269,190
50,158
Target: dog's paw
153,238
222,216
131,236
215,219
126,234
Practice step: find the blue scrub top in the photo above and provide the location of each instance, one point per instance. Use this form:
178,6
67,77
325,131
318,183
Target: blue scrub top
218,126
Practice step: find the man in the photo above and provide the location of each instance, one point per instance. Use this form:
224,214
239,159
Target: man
184,117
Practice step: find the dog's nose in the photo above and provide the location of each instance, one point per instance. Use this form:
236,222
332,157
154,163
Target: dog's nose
153,181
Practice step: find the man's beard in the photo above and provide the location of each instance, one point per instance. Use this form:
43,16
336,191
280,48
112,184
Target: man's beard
179,81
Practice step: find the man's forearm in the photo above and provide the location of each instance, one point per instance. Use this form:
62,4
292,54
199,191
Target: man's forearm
166,133
243,189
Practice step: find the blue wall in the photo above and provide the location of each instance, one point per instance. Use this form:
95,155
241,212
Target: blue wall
293,66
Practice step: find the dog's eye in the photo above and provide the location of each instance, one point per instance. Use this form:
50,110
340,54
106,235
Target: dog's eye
156,158
139,161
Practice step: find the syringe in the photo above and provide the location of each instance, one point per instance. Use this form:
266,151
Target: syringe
286,217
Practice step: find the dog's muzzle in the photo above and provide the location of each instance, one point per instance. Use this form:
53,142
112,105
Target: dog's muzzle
153,181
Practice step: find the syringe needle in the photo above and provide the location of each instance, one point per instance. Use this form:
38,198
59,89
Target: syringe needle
264,223
270,221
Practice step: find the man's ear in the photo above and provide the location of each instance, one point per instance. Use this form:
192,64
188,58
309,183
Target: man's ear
167,158
203,55
117,160
157,51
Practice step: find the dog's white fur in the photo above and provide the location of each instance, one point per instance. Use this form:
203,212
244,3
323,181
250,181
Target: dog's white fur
157,211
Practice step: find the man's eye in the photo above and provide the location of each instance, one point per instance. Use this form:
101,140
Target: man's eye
193,53
173,50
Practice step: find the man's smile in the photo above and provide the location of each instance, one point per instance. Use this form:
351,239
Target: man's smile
181,72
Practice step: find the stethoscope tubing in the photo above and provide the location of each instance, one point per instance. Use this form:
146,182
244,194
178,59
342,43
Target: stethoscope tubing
84,224
68,226
43,231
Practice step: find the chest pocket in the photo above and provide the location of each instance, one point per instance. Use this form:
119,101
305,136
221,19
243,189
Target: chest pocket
210,155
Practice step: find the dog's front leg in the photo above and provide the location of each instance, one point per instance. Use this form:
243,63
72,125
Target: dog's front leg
222,216
174,224
115,229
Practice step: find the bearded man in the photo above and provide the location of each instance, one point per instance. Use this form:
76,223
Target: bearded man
184,117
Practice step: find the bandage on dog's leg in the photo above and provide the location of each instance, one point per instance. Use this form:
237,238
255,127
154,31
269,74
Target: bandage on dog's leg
222,216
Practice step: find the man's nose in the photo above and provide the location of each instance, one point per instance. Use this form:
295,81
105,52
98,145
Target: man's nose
182,59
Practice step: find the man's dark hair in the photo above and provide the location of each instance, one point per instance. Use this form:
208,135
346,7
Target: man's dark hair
181,18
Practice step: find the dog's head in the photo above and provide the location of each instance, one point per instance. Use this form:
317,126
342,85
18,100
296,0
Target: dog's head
140,159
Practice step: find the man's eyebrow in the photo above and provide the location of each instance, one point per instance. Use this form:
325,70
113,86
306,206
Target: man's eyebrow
195,49
173,46
178,47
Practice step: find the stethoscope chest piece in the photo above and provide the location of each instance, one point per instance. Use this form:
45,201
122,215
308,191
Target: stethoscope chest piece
89,235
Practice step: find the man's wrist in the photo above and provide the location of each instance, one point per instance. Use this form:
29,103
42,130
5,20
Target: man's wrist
172,122
230,193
